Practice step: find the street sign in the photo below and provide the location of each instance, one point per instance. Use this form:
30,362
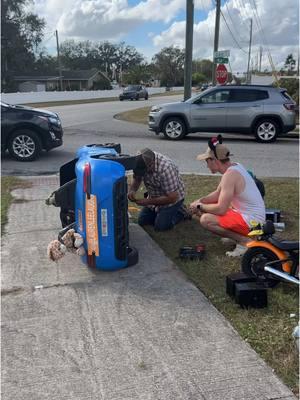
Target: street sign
221,60
222,53
221,74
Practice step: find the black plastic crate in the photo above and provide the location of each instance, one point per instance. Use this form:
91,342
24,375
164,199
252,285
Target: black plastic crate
250,294
233,279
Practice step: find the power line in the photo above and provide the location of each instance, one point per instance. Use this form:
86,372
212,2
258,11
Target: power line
232,35
259,25
208,27
233,24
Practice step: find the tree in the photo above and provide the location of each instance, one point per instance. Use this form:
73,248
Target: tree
45,64
290,63
112,59
138,74
169,64
126,58
21,32
79,55
205,67
198,78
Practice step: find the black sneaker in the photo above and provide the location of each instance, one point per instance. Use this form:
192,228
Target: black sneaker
187,215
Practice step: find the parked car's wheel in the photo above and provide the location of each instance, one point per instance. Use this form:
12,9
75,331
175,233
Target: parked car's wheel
137,97
266,130
146,96
121,98
174,128
24,145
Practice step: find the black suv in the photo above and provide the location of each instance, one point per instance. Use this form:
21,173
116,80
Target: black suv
26,131
134,92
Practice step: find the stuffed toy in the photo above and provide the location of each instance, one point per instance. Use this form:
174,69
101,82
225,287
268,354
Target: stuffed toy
56,250
71,241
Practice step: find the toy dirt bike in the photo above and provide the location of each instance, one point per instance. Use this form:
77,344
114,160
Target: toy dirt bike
270,259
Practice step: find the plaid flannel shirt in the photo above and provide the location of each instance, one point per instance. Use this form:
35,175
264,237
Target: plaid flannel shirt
164,179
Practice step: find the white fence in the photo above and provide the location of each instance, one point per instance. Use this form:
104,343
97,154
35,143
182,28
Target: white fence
43,97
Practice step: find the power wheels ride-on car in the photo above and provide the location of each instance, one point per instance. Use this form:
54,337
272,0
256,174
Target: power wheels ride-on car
93,198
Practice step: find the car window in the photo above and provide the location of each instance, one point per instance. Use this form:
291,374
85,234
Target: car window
244,95
219,96
286,95
132,87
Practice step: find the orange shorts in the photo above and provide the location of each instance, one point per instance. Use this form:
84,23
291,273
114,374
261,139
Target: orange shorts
233,221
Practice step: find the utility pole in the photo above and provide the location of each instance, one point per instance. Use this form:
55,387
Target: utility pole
188,49
216,39
59,63
249,54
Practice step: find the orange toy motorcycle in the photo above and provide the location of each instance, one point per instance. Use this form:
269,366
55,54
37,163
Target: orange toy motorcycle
270,259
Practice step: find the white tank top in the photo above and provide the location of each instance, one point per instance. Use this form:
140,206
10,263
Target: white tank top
249,203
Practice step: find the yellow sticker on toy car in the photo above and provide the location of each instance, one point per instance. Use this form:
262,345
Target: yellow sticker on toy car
91,225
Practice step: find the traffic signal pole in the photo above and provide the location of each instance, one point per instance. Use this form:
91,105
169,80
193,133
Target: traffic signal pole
216,39
188,49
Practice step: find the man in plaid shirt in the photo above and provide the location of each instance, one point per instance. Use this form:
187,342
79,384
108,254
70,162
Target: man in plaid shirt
163,203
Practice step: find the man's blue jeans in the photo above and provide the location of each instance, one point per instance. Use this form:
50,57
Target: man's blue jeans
162,220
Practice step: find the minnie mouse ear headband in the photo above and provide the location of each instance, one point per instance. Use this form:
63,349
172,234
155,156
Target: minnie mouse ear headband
215,150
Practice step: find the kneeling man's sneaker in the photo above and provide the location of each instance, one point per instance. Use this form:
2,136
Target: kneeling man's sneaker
237,252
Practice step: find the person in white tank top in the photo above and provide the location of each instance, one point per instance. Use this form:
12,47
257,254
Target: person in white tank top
228,210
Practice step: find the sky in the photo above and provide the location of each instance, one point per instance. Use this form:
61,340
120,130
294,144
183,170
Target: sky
151,25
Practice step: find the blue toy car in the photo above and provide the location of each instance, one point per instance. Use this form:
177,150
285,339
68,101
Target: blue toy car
93,200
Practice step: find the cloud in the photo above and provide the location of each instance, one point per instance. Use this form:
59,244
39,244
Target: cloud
275,24
109,19
275,27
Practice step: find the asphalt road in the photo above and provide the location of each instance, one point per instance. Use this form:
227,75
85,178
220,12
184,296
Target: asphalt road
95,123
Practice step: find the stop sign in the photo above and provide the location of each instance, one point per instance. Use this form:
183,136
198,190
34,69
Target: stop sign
221,74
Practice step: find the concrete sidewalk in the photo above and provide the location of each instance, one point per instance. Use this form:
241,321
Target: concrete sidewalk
141,333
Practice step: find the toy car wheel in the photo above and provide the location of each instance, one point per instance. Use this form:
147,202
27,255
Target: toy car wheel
254,261
128,162
132,256
24,145
174,128
115,146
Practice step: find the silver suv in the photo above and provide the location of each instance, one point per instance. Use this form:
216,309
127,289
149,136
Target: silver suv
264,111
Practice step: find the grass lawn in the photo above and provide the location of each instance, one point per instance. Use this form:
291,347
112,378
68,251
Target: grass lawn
140,115
8,183
269,330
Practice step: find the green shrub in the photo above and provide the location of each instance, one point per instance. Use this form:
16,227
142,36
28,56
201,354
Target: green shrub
292,86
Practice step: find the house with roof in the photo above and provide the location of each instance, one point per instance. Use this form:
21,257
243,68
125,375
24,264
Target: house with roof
91,79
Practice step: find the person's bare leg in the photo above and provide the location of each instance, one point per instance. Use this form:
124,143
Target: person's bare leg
210,222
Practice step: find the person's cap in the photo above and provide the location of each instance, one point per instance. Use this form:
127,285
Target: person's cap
220,152
147,155
144,158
